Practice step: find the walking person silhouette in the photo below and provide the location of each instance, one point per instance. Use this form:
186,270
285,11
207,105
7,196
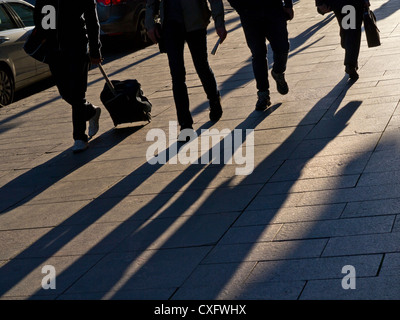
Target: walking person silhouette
261,21
75,44
186,21
350,37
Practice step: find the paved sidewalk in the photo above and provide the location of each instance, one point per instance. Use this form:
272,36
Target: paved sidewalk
324,194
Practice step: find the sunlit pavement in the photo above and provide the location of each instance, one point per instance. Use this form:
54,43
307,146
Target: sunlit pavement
318,217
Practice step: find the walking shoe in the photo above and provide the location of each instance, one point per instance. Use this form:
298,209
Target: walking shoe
352,72
215,109
263,101
79,146
281,84
186,134
94,122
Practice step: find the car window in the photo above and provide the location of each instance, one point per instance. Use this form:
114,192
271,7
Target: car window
5,21
24,12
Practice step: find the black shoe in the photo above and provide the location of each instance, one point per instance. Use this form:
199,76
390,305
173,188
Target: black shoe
215,109
281,84
79,146
264,101
352,72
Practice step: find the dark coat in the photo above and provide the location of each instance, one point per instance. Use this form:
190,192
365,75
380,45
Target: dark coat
338,4
77,26
241,5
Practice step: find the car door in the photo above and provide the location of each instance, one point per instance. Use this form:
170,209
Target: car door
12,39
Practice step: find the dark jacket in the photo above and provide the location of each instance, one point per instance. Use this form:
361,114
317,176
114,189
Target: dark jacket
77,26
337,4
196,13
241,5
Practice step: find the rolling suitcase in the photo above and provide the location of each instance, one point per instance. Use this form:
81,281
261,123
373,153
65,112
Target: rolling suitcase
124,100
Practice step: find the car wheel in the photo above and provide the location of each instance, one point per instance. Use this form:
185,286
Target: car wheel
6,87
141,32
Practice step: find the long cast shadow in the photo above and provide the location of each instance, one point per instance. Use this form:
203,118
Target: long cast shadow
58,237
291,266
180,204
111,278
144,228
208,178
35,181
387,9
342,116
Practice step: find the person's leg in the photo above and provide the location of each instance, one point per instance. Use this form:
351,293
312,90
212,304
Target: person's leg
197,43
70,74
277,35
351,42
255,34
82,110
255,37
174,39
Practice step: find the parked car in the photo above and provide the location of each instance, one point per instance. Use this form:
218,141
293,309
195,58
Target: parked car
123,17
17,69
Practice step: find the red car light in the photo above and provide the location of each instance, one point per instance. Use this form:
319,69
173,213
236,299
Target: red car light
111,2
104,2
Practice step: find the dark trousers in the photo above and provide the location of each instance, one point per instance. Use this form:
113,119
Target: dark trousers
259,27
70,72
175,36
350,39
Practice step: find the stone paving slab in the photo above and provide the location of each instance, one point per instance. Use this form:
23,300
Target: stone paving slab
323,193
369,288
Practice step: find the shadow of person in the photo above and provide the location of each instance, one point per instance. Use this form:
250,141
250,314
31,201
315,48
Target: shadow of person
268,202
35,181
144,226
229,253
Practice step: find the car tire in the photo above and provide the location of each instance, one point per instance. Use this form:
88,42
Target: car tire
7,87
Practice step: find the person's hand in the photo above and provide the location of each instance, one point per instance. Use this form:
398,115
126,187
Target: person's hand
324,9
96,61
153,34
289,12
222,33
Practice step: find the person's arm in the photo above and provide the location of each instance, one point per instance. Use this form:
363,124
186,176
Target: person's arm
37,14
93,30
218,15
288,4
323,6
288,8
152,11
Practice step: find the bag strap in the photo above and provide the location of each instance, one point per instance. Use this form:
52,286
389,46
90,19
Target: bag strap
109,83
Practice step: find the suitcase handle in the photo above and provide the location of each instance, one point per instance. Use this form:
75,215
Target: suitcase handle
110,85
